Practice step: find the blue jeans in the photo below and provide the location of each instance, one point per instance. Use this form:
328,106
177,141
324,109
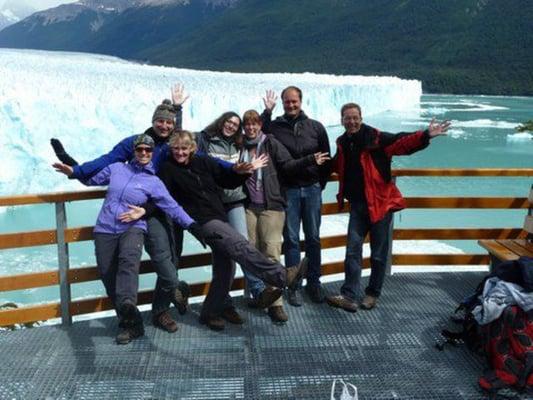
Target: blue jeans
304,205
358,228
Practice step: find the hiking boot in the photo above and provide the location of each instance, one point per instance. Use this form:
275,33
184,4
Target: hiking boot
277,314
296,273
231,315
165,322
268,296
181,297
214,323
340,301
126,335
294,298
369,302
315,293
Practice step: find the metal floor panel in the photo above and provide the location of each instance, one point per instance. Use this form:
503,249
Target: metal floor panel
388,353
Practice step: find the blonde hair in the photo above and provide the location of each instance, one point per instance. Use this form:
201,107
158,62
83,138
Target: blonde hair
185,137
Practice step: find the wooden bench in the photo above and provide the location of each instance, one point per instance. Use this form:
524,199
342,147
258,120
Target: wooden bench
512,249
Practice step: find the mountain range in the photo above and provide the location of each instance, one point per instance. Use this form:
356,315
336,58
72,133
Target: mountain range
452,46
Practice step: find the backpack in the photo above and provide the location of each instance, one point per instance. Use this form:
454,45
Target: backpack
506,343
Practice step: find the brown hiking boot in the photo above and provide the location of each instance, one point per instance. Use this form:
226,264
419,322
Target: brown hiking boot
231,315
296,273
214,323
340,301
268,296
277,314
369,302
165,322
126,335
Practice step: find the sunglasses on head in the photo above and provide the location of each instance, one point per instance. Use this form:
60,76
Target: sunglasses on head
144,149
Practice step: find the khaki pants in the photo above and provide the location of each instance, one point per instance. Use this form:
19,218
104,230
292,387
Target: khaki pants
265,231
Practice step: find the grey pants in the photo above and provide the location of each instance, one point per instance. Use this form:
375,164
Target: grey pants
232,246
161,246
118,257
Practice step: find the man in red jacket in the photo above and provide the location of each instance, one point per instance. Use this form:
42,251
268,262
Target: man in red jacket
363,162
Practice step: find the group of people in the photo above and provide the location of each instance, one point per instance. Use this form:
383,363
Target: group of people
243,187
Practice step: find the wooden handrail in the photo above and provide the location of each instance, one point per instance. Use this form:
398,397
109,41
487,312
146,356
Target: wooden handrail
86,274
444,172
78,234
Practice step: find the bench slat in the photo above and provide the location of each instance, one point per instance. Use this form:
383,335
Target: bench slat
515,248
498,250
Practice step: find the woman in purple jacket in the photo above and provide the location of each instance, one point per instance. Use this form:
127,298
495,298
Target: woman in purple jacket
119,231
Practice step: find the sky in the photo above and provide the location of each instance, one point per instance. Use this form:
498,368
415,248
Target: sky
43,4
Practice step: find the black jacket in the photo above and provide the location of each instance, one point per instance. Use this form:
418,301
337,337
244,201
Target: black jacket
196,186
281,167
302,137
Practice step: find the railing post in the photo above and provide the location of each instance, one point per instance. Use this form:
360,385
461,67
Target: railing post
388,270
63,262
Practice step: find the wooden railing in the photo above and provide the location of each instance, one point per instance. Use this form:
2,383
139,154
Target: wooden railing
65,276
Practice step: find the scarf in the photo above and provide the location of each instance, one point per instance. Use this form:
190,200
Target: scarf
247,157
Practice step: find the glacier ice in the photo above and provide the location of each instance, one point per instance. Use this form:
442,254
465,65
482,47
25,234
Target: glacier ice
91,102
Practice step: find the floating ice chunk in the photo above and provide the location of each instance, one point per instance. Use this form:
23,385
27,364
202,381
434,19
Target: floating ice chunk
519,137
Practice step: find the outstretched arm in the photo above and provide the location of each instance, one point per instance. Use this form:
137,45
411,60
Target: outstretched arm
407,143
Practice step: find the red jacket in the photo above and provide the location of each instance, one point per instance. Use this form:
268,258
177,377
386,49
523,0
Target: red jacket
381,194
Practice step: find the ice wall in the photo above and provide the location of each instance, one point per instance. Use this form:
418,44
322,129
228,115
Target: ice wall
91,102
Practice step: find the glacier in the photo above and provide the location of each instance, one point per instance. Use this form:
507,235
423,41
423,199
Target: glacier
91,102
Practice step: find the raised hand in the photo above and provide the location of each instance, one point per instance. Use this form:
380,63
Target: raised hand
270,100
63,168
438,128
259,162
133,214
321,158
178,94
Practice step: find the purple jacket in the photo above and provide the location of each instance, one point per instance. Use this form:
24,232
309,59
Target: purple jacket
132,184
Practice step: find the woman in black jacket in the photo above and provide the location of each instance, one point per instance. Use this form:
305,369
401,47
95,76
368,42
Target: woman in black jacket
193,180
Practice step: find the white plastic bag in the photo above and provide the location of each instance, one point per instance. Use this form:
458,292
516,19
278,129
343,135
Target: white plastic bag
346,389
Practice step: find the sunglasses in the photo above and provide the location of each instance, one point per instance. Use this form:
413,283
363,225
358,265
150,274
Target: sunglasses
144,149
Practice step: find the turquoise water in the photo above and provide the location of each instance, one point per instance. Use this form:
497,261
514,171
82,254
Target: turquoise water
482,136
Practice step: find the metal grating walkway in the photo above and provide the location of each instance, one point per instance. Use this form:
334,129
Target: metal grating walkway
388,353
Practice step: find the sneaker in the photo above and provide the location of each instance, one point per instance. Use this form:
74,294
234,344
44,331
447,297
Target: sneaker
340,301
296,273
315,293
165,322
214,323
294,298
231,315
268,296
181,297
369,302
277,314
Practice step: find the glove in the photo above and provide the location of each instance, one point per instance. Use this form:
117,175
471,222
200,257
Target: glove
64,157
196,230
